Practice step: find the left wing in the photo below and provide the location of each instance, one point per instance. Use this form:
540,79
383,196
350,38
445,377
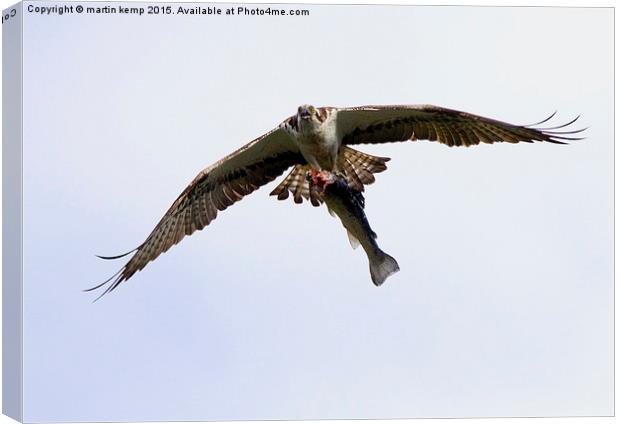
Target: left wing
385,124
214,189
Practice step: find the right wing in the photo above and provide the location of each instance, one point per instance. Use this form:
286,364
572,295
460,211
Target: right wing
214,189
387,124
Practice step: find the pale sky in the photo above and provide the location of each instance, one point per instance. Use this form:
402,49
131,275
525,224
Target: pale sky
504,302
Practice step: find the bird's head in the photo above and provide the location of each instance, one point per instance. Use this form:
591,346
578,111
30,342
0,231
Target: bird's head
307,113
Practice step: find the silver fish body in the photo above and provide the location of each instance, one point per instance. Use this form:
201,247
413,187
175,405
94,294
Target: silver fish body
348,204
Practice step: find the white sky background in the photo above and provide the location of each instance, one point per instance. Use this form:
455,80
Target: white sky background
502,307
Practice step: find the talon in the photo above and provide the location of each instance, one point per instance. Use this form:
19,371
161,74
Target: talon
323,179
314,176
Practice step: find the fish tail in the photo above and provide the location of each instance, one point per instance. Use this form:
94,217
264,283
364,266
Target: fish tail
382,266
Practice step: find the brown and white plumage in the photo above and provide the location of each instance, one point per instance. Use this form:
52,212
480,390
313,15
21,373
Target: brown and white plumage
318,138
384,124
357,167
212,190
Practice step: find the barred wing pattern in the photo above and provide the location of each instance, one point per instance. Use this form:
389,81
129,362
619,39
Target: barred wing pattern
262,160
214,189
384,124
357,168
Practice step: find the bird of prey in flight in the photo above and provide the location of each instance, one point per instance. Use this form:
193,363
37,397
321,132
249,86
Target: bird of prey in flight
315,141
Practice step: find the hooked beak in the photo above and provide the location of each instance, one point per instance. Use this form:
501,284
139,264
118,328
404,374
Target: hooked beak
304,113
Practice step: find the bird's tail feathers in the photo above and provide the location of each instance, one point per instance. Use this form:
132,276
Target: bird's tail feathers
358,168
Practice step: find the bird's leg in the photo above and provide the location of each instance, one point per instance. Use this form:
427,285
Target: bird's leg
313,175
323,179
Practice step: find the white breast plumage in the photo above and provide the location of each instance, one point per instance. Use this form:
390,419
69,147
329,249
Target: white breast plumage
318,141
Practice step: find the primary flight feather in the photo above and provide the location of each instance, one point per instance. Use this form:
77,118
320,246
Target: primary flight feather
316,143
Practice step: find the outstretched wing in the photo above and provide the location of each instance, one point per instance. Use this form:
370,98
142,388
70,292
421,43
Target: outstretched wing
214,189
384,124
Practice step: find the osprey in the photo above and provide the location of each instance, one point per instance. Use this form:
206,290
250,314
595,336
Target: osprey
316,142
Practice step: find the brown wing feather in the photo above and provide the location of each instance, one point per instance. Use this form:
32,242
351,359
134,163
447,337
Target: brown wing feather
384,124
214,189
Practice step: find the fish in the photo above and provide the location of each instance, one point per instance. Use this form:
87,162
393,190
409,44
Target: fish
348,204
